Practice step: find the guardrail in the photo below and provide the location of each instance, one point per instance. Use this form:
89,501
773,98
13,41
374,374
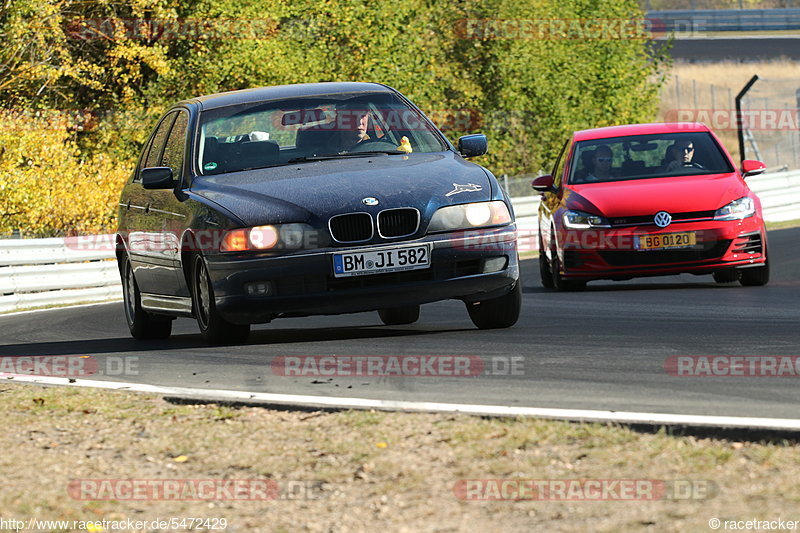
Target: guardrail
47,272
720,20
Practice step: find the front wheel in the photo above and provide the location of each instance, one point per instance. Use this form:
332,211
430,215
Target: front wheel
544,267
559,282
398,316
502,312
213,327
726,276
142,324
756,276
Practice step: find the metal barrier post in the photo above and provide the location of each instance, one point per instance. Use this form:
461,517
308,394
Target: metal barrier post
739,118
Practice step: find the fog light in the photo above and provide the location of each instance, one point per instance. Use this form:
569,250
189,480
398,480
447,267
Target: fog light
495,264
258,288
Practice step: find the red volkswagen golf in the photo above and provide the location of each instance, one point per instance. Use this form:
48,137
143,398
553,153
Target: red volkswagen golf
649,200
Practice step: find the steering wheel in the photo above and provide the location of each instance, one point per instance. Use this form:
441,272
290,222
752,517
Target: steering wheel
693,164
373,145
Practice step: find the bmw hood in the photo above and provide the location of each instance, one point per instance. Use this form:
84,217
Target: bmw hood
649,196
312,192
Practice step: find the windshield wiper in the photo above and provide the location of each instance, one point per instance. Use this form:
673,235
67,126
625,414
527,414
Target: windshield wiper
343,155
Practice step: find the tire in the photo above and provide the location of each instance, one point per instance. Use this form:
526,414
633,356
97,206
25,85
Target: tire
142,324
726,276
544,267
213,328
502,312
756,276
397,316
561,284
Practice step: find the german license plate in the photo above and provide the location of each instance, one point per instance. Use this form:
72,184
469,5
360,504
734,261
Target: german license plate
382,261
665,241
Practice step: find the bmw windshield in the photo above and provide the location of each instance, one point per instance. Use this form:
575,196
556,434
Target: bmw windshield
275,133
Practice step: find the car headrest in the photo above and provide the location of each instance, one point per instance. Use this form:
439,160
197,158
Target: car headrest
314,139
254,154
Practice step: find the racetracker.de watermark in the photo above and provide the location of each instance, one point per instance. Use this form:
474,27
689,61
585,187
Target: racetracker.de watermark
556,29
580,239
193,490
584,489
155,29
449,120
308,239
715,366
728,119
70,366
408,366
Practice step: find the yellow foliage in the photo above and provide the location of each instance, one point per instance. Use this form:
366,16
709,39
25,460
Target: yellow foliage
46,187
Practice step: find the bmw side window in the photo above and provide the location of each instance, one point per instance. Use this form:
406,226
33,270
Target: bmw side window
176,143
159,139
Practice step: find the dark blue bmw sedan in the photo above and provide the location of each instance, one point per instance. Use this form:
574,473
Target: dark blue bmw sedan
305,200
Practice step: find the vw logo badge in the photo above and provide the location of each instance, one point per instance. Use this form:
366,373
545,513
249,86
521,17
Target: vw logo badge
662,219
370,201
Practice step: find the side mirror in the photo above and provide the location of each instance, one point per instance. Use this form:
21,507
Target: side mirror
751,167
543,184
157,178
473,145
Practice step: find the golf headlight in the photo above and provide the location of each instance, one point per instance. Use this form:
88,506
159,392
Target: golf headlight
278,236
581,220
742,208
468,216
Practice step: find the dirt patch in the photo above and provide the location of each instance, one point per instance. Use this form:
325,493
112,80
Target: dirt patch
365,471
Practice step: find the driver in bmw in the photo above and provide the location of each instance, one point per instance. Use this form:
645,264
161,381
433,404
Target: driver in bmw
352,127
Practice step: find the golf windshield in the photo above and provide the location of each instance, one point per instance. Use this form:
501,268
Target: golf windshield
647,156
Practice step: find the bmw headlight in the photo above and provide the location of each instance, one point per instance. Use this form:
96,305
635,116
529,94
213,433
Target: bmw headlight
469,216
742,208
581,220
272,237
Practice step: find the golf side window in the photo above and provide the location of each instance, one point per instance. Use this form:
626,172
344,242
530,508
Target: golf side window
558,169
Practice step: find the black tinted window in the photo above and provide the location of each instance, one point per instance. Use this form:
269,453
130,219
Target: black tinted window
173,151
157,146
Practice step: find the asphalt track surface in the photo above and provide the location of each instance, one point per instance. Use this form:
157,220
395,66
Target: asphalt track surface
736,49
604,348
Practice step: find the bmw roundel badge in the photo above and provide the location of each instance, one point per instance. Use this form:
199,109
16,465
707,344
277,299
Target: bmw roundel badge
369,200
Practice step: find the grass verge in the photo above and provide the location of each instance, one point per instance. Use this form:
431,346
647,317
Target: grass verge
784,224
709,86
372,470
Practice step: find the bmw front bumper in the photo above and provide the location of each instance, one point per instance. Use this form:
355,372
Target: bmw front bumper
303,283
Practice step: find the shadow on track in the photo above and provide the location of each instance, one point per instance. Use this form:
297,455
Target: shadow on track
194,341
639,286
